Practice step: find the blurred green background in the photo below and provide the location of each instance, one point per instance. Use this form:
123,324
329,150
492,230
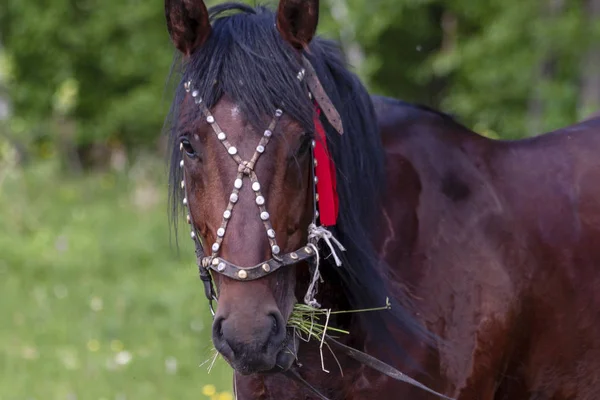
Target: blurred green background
96,301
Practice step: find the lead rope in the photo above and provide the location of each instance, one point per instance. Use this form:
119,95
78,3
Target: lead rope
382,367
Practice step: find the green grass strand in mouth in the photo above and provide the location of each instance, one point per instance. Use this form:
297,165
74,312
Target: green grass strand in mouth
306,320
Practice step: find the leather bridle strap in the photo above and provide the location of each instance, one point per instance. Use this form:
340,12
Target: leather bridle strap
380,366
367,360
295,376
263,269
209,290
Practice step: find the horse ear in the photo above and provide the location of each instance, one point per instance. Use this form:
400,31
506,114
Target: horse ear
188,24
297,21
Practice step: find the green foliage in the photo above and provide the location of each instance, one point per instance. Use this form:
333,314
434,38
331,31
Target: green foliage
479,60
95,302
493,71
102,63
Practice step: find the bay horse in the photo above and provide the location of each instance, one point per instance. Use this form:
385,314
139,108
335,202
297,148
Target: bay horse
300,186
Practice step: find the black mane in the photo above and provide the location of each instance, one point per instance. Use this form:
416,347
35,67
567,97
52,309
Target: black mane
246,59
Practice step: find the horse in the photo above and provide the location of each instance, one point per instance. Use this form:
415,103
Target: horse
300,186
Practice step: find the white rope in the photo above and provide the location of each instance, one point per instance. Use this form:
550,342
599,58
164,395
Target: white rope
318,232
309,297
314,235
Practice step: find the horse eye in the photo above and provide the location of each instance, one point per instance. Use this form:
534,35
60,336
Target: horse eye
188,148
304,146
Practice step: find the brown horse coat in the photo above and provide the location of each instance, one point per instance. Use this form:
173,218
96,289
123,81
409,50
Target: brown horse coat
501,243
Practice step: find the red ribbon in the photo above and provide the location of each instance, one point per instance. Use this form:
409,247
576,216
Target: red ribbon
325,173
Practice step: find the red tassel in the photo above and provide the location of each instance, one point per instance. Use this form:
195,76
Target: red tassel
325,173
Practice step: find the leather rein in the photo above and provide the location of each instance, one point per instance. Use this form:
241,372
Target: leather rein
245,170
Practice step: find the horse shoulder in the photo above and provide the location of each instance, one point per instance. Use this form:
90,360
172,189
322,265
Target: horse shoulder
444,222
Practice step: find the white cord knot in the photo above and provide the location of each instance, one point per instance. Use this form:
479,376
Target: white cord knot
314,235
205,261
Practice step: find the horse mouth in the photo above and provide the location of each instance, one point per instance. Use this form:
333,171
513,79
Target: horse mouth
288,354
281,362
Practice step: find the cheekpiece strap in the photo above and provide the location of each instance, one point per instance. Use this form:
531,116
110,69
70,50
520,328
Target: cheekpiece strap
320,96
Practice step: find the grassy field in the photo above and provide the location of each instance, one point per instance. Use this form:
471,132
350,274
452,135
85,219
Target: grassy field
95,301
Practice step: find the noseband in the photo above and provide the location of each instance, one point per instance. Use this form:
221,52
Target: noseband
245,169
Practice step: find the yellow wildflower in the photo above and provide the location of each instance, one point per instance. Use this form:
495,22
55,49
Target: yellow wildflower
209,390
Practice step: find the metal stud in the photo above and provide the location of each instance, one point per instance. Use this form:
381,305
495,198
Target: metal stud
222,136
233,198
221,267
185,201
232,150
188,219
317,214
268,133
275,249
308,250
187,86
316,162
182,184
238,183
266,267
181,164
271,233
215,261
195,93
264,215
198,100
260,149
278,113
242,274
301,74
215,247
220,232
317,197
313,143
227,214
294,256
256,186
260,200
316,180
193,235
180,146
210,119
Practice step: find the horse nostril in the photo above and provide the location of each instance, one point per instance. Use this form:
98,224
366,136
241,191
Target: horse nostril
274,324
219,339
218,329
277,327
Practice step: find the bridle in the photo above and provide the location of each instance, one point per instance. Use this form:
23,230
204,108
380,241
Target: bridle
245,169
310,252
